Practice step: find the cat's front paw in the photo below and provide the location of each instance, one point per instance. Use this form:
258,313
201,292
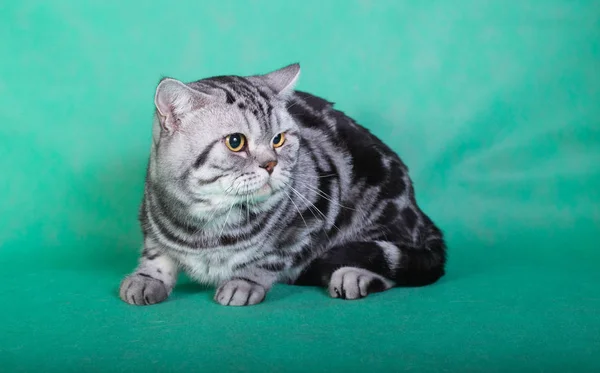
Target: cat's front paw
240,293
140,289
356,283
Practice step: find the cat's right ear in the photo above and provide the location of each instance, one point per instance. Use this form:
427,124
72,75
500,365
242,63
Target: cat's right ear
173,99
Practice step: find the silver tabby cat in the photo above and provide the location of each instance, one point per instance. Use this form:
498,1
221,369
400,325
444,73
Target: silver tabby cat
250,183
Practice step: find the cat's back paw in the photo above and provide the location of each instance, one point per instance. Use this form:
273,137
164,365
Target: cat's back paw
355,283
140,290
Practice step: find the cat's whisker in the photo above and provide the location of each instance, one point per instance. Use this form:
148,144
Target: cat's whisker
310,206
289,174
212,214
226,219
248,208
291,106
217,208
324,195
315,207
297,209
229,212
328,175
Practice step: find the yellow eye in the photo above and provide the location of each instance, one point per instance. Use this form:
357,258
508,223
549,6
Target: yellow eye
235,142
278,140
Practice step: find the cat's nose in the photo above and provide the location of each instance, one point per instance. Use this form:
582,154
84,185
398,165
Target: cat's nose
269,166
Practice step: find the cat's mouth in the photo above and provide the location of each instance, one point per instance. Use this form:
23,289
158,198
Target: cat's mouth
262,192
265,189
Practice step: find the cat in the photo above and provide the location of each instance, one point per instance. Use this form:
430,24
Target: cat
251,182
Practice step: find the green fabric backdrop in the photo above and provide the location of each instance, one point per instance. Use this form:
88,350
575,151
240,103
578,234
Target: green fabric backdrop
494,105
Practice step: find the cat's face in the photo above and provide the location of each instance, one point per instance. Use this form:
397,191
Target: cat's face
226,156
226,147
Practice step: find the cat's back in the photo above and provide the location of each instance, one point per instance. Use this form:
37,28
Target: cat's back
316,114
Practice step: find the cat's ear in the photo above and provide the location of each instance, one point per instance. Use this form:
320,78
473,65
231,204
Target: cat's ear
174,99
284,80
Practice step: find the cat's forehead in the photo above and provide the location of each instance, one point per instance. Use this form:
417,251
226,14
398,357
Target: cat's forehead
224,119
243,105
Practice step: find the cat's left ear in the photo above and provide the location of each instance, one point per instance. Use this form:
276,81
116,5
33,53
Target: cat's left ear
282,81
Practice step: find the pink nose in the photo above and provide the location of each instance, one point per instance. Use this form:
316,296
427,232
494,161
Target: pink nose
269,166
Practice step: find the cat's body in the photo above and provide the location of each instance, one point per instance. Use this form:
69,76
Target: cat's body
310,197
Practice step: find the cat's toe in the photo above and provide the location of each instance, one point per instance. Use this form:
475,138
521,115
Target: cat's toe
239,293
345,284
355,283
142,290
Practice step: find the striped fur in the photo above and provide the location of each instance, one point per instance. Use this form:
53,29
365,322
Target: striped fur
338,210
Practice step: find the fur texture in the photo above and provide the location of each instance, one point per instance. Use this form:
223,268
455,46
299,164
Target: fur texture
333,206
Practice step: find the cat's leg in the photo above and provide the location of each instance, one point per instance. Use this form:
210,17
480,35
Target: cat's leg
352,270
355,269
152,281
246,288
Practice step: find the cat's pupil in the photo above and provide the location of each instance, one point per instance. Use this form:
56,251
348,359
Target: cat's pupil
277,139
235,140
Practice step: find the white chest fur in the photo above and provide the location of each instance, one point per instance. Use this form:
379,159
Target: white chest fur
214,266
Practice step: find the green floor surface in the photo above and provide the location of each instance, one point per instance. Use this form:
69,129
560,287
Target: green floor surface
494,105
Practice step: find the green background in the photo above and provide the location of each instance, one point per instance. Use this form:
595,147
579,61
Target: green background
494,105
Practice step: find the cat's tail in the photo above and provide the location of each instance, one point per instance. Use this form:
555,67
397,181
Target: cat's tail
420,267
424,263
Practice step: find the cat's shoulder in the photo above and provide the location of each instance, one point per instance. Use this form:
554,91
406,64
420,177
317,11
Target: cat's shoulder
311,101
318,113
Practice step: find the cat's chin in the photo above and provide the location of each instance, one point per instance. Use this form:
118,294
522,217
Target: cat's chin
259,195
263,192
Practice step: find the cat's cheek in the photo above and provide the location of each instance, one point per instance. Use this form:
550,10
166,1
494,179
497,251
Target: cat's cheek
287,156
224,184
277,180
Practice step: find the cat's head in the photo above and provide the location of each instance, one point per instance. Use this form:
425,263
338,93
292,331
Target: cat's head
225,140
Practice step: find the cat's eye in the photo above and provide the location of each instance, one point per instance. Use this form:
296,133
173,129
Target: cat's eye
278,140
235,142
